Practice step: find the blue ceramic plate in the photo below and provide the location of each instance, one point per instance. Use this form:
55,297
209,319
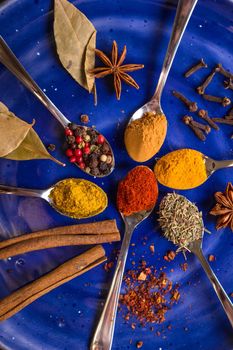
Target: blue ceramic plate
66,317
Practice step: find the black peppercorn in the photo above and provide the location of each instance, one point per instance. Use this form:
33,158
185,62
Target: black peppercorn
105,148
70,139
73,146
103,167
78,132
73,126
95,172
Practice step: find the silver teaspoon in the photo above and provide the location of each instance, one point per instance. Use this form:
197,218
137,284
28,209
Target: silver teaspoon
45,194
183,13
196,248
103,336
10,61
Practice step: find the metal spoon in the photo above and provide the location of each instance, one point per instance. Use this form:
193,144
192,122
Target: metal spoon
103,336
183,13
213,165
10,61
44,194
196,248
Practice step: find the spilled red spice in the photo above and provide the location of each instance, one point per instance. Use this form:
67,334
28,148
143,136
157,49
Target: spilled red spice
147,299
138,191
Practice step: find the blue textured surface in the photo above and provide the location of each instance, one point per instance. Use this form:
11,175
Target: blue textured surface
66,317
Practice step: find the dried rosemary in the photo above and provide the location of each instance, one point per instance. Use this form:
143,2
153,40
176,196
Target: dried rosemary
180,220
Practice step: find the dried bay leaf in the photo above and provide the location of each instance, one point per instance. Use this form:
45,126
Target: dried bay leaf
31,148
9,123
75,38
19,141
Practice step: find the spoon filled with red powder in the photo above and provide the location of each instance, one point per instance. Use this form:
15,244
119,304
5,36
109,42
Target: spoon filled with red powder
136,197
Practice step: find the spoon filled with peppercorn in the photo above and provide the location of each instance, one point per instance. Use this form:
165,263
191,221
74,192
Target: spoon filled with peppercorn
75,198
85,146
136,197
182,224
147,128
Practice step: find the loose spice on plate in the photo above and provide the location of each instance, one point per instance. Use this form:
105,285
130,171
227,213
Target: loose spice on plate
78,198
137,192
182,169
149,300
89,149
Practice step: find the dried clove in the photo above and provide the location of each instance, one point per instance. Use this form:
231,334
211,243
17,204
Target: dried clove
228,84
229,114
219,68
201,88
204,115
223,121
199,133
192,106
225,101
195,68
189,120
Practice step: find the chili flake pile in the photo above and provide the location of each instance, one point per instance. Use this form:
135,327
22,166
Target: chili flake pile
148,295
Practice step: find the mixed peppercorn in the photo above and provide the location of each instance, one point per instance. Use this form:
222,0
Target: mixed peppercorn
88,149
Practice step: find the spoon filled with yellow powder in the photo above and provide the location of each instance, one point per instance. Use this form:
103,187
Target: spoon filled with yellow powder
76,198
187,168
147,128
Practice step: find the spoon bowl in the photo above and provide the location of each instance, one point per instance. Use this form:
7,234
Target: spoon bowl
10,61
45,194
183,13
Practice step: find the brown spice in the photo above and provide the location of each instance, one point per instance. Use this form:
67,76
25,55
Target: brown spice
170,255
84,118
184,266
51,147
223,208
114,66
211,258
199,133
108,266
231,295
223,121
195,68
93,233
202,113
201,88
139,344
219,68
72,268
152,248
225,101
192,106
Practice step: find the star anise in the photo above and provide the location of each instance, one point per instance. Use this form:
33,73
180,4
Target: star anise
224,208
114,66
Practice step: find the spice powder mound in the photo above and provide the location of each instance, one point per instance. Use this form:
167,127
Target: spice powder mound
147,300
182,169
78,198
137,192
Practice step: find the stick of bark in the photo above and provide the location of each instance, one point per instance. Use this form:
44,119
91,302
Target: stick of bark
72,268
94,228
46,242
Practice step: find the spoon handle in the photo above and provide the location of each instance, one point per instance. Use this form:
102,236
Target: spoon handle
183,13
103,336
220,164
20,191
10,61
222,295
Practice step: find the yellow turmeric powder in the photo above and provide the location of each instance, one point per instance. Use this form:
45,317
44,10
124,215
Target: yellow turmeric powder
182,170
78,198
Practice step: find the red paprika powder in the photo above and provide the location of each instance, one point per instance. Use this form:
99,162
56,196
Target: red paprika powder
138,191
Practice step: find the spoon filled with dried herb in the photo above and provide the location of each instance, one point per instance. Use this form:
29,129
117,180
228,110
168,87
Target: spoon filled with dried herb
181,223
147,128
187,168
76,198
136,197
85,146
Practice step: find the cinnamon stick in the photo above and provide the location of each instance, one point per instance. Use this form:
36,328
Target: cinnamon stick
94,228
45,242
72,268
